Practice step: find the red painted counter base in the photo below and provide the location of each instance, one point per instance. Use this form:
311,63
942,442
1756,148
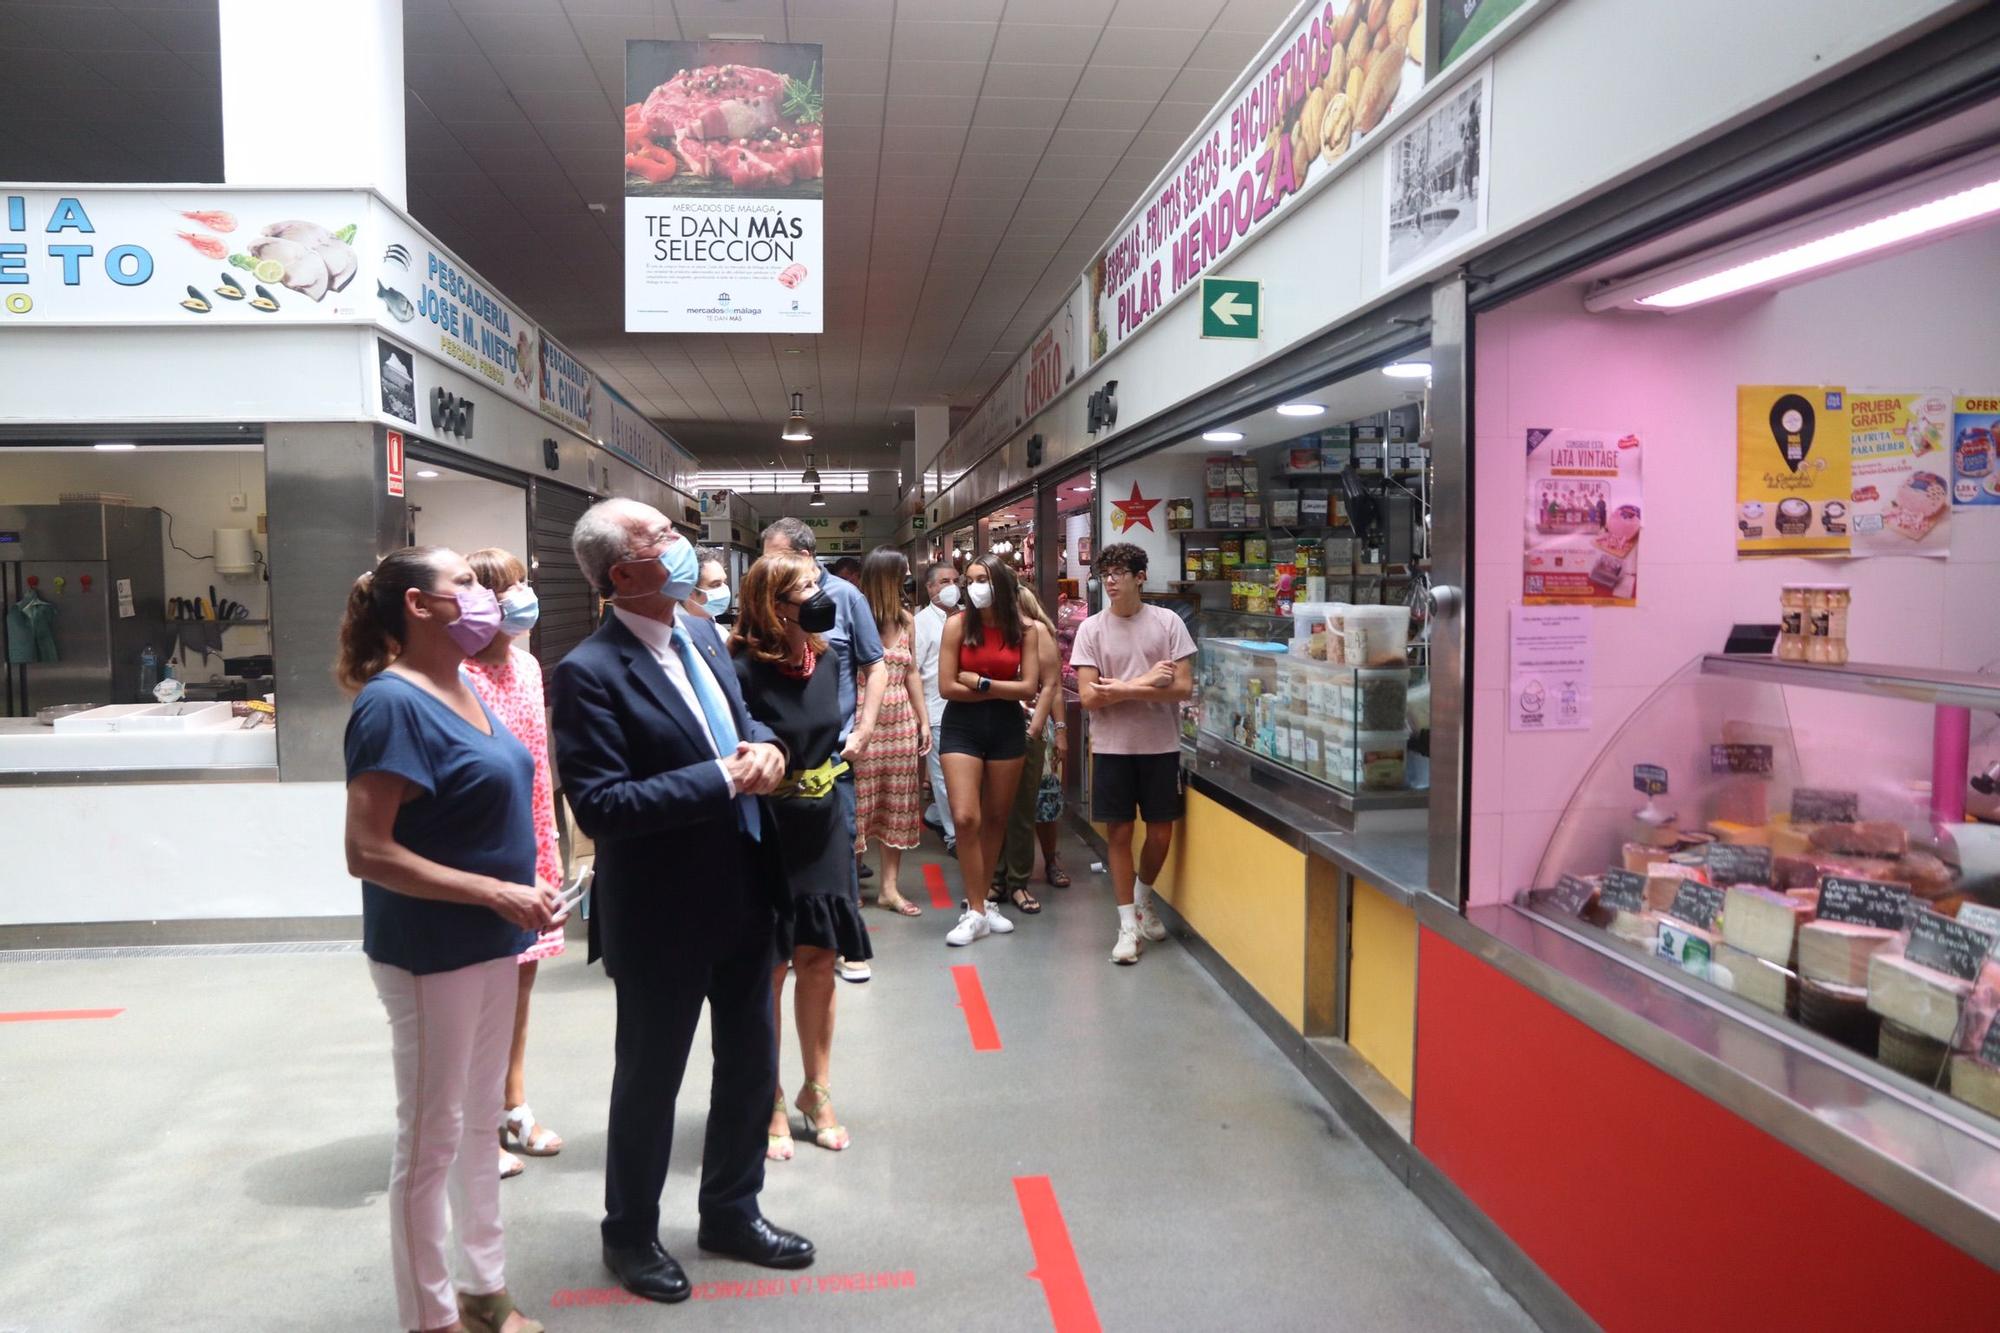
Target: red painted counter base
1651,1206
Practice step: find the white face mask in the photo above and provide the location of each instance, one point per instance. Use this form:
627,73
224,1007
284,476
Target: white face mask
947,596
981,595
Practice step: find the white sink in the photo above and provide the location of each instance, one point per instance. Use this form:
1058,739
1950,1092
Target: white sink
147,718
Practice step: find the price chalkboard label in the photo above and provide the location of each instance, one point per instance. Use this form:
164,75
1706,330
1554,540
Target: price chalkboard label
1623,891
1989,1049
1731,864
1739,759
1825,805
1951,947
1697,904
1573,895
1981,917
1650,779
1863,902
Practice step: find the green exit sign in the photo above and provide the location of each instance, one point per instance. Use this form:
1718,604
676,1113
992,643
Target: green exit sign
1231,307
917,523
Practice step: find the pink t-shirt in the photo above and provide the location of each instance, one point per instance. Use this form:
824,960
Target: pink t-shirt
1122,648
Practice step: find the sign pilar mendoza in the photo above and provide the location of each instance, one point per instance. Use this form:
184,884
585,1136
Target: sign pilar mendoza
1232,308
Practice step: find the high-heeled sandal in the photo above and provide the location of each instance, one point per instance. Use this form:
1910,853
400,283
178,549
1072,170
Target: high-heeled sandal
834,1138
779,1147
488,1314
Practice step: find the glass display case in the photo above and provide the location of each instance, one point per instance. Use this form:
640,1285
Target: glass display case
1793,837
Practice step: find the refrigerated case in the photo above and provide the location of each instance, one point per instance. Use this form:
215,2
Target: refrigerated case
99,567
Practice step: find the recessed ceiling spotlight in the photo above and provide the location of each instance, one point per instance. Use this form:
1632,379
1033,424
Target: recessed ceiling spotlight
114,447
595,208
1083,489
426,474
1408,370
1300,409
1224,436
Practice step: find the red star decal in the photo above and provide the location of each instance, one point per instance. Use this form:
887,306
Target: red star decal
1138,512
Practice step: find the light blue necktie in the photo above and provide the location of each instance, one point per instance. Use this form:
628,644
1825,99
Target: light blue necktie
720,725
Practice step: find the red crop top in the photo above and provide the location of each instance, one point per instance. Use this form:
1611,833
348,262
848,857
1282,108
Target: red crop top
993,657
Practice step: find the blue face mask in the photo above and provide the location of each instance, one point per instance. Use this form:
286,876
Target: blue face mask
717,602
519,610
683,566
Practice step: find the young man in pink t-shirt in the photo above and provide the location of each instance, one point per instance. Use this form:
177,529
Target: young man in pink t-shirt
1134,665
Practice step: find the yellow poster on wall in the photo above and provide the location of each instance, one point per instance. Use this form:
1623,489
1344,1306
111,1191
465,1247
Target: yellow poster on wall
1794,470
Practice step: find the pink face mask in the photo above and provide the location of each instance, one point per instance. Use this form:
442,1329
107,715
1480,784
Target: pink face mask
478,619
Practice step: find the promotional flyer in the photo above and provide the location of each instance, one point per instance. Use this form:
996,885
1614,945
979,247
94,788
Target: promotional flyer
1584,514
1975,453
1793,470
724,174
1902,498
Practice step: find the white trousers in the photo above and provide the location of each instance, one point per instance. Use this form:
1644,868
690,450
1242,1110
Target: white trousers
450,1033
939,801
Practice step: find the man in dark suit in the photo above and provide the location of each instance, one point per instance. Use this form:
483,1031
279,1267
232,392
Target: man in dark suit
663,767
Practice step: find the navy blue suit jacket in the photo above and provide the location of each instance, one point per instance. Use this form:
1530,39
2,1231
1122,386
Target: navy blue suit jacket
641,779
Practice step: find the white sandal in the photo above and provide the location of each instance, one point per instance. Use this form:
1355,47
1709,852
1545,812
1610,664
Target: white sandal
531,1138
510,1165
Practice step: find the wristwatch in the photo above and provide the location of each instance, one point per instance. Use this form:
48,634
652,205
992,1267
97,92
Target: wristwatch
985,684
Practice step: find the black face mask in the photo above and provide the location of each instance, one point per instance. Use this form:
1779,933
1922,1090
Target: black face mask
817,613
910,588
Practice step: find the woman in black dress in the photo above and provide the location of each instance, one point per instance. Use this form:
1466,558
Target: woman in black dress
792,686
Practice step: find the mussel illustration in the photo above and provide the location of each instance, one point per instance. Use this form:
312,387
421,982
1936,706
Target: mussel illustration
196,302
230,290
263,300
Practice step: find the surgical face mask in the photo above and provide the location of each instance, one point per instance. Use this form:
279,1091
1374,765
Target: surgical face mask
947,597
478,618
817,613
519,610
981,595
715,601
683,566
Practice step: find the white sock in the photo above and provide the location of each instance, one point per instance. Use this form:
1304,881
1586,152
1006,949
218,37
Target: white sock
1128,917
1142,894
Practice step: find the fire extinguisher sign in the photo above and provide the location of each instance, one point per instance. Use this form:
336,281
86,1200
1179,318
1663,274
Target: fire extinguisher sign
396,463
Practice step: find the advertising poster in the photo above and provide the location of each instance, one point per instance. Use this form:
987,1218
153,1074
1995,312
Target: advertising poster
1584,513
1306,115
1793,470
1975,451
1902,491
1461,23
724,172
1435,199
1549,669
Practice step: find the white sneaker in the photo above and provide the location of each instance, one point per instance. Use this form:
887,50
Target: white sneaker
849,969
971,926
1150,925
1127,948
996,923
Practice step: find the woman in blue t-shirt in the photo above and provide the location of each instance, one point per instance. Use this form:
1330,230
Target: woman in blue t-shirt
441,833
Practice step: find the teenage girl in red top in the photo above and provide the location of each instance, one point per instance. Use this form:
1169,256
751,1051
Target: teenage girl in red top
989,664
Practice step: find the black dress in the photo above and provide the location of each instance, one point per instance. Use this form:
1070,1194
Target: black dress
814,836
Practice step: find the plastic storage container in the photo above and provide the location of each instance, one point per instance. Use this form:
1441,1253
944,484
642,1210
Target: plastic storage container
1375,636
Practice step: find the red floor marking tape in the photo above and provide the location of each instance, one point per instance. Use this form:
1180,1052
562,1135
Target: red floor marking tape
934,881
57,1015
1056,1268
978,1017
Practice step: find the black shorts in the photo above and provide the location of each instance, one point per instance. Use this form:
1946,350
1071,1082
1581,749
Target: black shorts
1147,783
990,728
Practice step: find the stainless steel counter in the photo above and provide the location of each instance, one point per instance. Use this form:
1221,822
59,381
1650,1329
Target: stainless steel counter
1934,1162
1396,862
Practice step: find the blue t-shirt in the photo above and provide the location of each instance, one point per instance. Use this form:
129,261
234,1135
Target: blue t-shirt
854,642
476,813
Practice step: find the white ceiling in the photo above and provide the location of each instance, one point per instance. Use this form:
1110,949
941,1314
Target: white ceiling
978,153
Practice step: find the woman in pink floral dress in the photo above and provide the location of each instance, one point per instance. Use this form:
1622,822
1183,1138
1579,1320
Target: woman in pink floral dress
887,783
509,681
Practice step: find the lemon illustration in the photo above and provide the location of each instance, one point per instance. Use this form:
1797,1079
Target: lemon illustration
269,270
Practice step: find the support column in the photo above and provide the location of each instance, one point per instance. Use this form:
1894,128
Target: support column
312,95
933,429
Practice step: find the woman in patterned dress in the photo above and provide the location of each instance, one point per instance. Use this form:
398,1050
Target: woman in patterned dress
508,680
887,783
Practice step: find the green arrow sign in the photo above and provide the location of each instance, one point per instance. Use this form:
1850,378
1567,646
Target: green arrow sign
1231,307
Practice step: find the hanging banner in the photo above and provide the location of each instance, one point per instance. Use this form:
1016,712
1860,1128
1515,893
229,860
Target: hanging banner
1901,465
1584,512
567,386
1975,453
724,171
1794,470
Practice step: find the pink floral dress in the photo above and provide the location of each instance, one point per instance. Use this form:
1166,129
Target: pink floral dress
513,693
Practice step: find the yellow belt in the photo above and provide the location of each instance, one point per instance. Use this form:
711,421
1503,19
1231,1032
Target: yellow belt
812,784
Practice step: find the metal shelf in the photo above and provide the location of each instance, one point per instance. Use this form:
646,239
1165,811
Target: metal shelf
1963,689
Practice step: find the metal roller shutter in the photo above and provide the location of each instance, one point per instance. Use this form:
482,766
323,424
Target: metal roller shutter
568,606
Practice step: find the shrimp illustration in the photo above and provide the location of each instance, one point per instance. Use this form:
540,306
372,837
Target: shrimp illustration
214,219
206,245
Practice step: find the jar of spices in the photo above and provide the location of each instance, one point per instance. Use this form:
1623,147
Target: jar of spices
1792,599
1826,623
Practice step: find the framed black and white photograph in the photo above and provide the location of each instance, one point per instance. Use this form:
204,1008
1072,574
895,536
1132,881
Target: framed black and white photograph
1435,195
399,381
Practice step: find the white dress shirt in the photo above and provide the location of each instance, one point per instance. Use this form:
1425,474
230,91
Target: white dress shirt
928,635
658,638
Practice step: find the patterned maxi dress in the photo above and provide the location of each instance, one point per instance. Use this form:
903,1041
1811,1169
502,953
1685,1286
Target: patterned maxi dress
512,691
888,786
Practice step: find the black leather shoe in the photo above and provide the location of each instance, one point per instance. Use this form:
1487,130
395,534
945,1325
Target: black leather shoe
756,1242
649,1271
